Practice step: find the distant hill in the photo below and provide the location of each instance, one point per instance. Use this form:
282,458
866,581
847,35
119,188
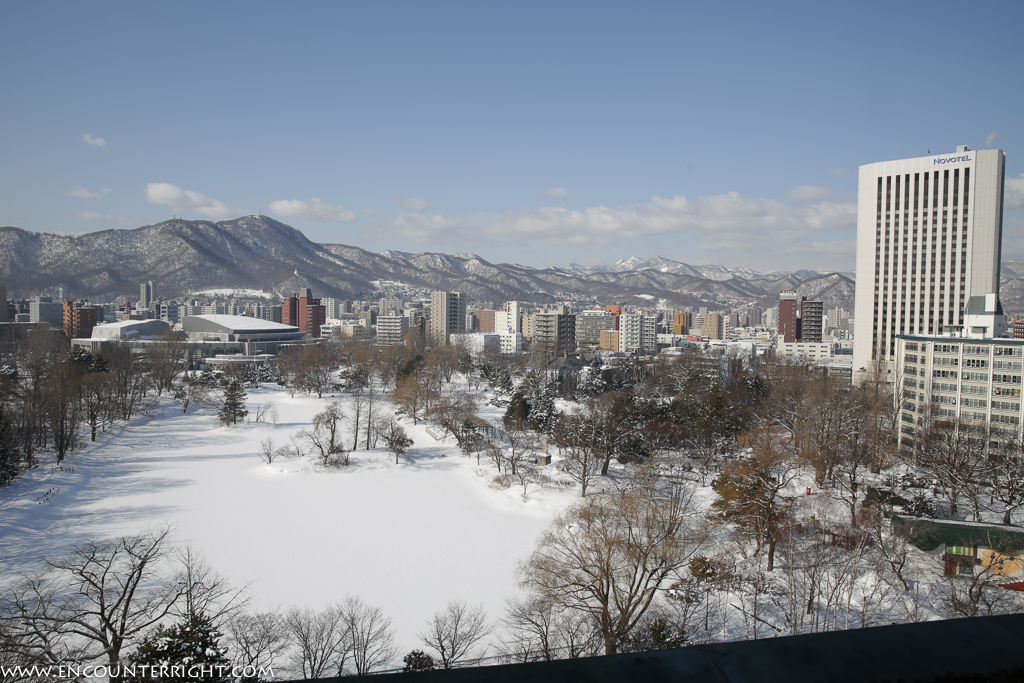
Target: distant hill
261,254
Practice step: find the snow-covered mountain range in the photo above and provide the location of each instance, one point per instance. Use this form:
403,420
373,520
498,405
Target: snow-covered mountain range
260,253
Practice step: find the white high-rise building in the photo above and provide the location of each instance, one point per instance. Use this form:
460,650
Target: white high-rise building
929,232
509,318
391,330
637,332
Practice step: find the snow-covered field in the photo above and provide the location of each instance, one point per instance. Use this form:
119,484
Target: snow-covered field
407,537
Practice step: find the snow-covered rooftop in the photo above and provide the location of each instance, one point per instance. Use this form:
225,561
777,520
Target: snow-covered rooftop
124,328
237,323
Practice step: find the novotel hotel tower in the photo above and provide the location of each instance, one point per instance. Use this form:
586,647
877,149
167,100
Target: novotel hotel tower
929,232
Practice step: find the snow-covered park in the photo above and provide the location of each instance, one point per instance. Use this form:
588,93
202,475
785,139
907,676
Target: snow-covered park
408,537
436,526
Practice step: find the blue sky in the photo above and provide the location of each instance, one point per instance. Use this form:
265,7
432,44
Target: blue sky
539,133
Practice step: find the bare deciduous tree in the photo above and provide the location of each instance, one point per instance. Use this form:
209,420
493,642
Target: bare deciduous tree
535,629
454,631
389,361
96,403
370,636
521,443
319,640
167,357
394,436
94,603
608,556
577,437
749,489
267,450
256,640
412,396
325,437
952,452
1006,471
204,591
192,391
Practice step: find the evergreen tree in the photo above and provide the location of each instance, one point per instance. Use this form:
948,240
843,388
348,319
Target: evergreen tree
233,409
503,385
518,410
417,660
187,651
542,405
591,382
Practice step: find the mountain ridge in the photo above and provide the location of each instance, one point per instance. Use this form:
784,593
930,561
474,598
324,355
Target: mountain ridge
260,253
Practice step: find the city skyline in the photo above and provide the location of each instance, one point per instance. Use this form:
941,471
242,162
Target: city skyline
528,134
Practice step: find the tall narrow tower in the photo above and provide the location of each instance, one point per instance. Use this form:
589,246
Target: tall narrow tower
929,232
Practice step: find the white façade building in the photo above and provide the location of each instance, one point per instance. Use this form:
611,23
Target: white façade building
971,376
929,232
257,336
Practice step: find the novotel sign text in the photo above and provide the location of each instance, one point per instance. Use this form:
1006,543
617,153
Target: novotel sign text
950,160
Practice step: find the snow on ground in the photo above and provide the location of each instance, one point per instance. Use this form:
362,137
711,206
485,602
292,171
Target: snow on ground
408,537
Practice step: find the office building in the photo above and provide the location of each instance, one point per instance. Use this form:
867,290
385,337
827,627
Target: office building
811,318
447,315
608,340
589,325
485,320
712,326
391,330
43,309
508,318
79,319
973,378
303,311
145,295
638,332
554,333
788,320
929,233
682,322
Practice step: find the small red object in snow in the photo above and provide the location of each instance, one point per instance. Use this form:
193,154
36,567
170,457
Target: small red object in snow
808,490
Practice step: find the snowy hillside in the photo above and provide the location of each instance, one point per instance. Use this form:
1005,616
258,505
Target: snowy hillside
261,254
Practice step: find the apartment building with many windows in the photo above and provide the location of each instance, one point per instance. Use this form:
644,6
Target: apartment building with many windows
970,379
447,315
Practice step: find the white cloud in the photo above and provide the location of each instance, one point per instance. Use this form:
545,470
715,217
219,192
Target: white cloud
187,200
368,211
1013,193
838,171
312,209
726,221
810,193
83,193
992,137
556,193
414,203
107,218
95,142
